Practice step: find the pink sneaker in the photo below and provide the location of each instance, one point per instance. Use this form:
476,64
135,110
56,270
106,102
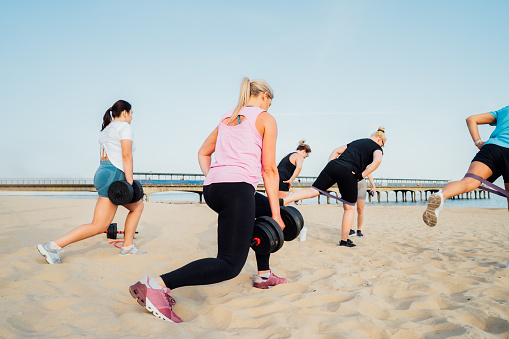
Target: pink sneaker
157,301
273,280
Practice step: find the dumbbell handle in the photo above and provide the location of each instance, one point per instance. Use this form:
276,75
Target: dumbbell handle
120,232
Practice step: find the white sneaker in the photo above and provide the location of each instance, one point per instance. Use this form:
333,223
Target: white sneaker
435,205
52,256
132,250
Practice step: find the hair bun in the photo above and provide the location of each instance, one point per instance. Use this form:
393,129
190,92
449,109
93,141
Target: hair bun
381,129
302,142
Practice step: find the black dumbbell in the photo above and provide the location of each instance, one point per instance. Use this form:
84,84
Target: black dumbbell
267,236
294,222
112,232
121,192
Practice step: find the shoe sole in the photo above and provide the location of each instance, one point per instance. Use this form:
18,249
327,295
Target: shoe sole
145,302
429,216
155,312
262,286
44,253
138,295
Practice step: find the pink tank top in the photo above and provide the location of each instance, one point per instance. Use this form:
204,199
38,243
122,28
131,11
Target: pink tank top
238,153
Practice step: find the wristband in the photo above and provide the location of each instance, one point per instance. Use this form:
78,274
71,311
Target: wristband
477,142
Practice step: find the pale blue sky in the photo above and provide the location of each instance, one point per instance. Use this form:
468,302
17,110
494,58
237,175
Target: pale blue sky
339,69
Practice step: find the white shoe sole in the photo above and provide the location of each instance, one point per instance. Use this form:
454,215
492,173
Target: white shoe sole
151,308
430,215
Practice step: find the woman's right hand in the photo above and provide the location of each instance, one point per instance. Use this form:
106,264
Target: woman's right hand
479,145
279,221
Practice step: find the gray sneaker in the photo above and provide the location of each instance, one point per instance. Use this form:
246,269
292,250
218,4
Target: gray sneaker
132,250
52,256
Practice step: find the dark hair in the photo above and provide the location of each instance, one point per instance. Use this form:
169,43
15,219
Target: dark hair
304,146
115,111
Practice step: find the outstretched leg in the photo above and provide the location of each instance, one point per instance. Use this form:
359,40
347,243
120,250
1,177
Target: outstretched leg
467,184
103,215
305,193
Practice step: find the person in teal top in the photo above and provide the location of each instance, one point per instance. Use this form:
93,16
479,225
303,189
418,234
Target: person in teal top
491,162
500,135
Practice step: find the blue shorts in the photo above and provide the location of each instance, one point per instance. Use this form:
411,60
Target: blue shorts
104,176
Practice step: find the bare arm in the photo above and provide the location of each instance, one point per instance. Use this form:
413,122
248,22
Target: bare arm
373,187
205,153
377,160
266,125
337,152
127,159
298,167
473,123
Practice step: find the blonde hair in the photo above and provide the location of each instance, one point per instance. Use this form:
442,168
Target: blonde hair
250,88
304,146
380,133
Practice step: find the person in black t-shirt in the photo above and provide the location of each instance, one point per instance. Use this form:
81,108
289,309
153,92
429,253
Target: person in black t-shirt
347,165
290,166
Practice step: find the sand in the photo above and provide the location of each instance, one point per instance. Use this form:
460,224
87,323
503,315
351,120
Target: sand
403,280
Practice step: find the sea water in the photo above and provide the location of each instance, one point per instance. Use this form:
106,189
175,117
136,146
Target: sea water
189,197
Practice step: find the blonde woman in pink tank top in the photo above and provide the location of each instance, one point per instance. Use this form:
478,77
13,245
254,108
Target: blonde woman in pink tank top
244,148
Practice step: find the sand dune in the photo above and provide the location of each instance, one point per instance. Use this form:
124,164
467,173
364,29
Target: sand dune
403,280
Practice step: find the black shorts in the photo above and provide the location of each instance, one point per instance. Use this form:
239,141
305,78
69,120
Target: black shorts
283,186
337,173
497,159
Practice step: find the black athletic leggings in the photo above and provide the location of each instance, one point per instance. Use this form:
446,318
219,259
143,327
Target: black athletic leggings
235,205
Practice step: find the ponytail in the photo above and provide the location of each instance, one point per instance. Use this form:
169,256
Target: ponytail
115,111
245,91
106,118
250,88
304,146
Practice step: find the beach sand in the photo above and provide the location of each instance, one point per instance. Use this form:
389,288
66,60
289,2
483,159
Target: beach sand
403,280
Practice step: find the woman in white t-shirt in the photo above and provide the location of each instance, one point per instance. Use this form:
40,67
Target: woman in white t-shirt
116,147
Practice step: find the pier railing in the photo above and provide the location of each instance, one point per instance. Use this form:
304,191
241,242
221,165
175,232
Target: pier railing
175,179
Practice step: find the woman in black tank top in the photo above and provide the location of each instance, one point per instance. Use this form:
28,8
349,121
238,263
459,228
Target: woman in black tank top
347,165
290,166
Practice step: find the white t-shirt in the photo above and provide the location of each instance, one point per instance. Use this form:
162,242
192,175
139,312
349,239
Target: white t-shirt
110,141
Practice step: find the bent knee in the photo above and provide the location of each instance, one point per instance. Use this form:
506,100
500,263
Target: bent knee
235,271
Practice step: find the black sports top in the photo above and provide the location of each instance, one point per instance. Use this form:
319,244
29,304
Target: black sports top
286,168
358,155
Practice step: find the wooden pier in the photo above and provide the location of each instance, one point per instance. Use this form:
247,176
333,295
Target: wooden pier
183,182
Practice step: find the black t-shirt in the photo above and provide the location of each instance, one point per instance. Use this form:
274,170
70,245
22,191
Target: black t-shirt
358,155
